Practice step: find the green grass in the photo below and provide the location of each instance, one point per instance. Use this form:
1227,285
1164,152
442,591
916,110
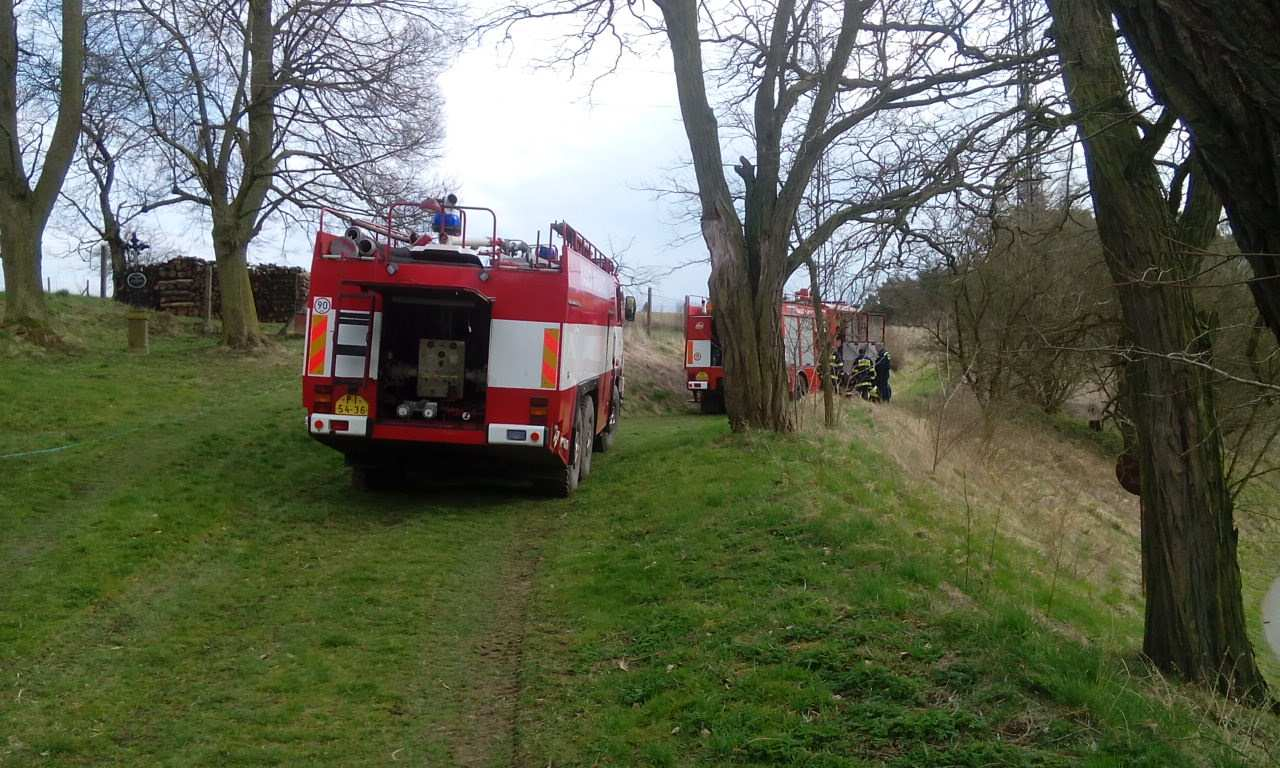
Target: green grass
192,581
1259,553
189,580
784,602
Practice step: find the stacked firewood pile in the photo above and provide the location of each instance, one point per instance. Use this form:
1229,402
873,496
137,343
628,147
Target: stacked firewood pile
278,291
178,286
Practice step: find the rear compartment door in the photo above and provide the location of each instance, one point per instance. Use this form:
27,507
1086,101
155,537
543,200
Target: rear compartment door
356,331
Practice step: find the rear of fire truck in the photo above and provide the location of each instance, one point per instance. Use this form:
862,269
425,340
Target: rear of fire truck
703,363
435,347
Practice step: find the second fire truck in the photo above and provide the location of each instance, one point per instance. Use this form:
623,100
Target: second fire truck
704,363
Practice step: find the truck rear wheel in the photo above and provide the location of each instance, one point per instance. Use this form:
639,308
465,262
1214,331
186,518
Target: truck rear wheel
564,481
586,418
604,440
712,402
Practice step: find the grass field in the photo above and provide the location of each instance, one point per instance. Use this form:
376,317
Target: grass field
188,579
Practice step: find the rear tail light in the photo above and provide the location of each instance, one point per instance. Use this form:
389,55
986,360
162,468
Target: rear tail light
322,401
340,426
537,410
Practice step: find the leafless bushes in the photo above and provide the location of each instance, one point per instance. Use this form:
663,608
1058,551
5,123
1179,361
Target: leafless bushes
1027,291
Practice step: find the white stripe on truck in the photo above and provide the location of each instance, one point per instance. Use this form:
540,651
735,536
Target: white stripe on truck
515,353
585,353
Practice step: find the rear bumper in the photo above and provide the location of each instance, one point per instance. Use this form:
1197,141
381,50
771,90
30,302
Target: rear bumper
391,443
698,385
330,424
517,434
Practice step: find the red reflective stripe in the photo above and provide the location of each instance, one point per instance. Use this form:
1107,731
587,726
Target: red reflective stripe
550,356
317,346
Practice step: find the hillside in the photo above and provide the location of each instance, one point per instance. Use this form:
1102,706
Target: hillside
655,369
190,580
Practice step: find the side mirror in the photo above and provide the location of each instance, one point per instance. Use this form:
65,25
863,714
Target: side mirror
629,308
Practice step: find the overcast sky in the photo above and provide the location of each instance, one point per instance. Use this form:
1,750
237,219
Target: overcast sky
535,145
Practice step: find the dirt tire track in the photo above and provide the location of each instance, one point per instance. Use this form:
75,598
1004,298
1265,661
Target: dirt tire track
486,735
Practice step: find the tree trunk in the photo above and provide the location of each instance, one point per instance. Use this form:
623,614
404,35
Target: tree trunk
1195,624
1217,66
24,285
115,249
824,346
25,211
750,331
239,315
747,302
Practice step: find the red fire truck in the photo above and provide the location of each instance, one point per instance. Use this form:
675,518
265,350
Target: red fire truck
704,364
435,345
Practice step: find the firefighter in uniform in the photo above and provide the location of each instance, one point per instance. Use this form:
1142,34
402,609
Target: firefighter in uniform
837,366
883,364
863,374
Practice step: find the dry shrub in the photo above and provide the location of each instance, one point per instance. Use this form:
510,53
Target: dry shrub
901,343
1006,479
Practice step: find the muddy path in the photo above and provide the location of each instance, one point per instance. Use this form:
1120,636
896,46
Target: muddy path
486,734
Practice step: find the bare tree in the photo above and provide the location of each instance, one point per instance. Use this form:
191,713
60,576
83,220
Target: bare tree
1217,66
270,106
24,208
880,70
1195,623
119,177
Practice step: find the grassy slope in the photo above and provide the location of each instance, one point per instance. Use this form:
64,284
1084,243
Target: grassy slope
793,602
193,583
655,376
806,602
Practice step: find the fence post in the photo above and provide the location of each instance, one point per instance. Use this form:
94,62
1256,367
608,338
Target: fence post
208,297
102,270
648,314
137,324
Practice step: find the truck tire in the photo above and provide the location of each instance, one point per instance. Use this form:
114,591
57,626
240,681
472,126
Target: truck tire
712,402
604,440
587,418
563,482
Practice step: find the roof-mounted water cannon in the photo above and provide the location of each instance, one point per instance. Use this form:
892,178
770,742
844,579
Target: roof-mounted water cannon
447,222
